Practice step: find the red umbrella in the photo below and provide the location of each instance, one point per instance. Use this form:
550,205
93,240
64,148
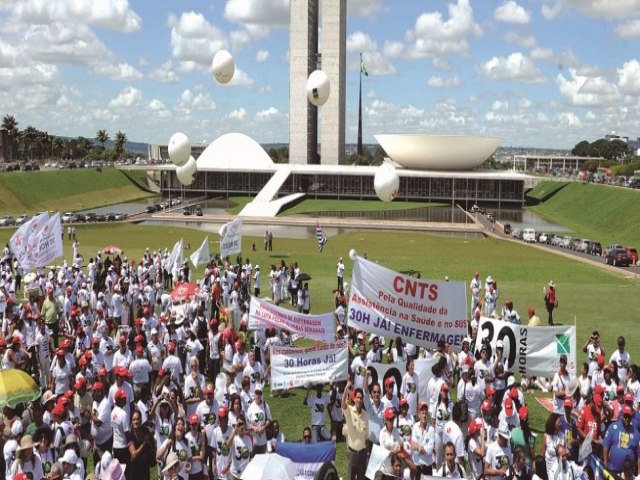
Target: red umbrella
184,291
112,250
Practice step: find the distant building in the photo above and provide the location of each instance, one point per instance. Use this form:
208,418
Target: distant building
161,152
612,136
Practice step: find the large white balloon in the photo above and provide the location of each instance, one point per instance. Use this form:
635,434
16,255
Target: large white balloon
179,149
353,254
186,173
318,88
223,66
386,183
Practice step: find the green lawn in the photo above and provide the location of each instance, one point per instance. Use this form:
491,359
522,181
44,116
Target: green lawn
589,296
599,212
28,192
545,189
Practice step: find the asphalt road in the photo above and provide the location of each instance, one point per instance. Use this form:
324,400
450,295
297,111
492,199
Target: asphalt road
633,270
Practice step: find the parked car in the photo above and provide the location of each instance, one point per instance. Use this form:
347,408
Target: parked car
617,257
516,233
507,229
198,211
7,221
22,219
566,242
81,217
529,235
632,253
90,217
150,209
613,246
186,211
543,238
68,217
120,216
583,245
595,248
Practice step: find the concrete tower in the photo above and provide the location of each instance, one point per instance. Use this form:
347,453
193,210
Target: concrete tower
304,58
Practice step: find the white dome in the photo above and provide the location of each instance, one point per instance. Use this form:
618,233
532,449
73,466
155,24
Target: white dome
234,150
438,152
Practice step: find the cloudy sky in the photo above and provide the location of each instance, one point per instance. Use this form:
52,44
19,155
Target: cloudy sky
540,73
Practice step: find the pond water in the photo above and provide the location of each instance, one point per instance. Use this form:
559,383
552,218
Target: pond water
528,219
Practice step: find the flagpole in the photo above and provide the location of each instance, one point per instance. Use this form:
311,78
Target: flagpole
359,150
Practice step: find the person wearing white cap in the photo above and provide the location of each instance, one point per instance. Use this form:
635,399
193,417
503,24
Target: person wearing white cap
69,460
498,457
469,390
11,445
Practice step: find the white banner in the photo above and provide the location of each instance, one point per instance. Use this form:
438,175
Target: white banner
420,311
177,256
201,255
316,327
299,367
231,241
531,350
45,245
20,238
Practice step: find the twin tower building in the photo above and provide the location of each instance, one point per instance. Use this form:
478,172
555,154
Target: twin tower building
317,41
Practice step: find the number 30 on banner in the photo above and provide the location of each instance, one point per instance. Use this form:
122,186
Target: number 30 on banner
488,341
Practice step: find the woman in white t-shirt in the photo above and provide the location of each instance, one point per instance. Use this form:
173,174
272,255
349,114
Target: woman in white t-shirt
476,447
177,443
240,447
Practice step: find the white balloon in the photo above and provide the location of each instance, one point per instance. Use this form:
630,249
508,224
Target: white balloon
386,183
186,173
179,149
223,66
318,88
353,254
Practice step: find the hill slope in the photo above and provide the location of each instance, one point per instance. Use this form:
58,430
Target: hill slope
65,190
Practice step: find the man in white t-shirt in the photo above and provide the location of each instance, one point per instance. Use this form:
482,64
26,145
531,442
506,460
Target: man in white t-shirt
101,420
498,458
140,369
318,404
622,358
340,271
120,424
258,420
453,433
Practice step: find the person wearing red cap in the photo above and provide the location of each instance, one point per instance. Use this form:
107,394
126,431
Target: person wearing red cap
196,440
509,413
83,400
60,374
423,442
476,448
123,356
522,436
621,441
100,421
121,374
207,411
590,420
389,435
108,349
442,414
218,443
120,424
239,362
390,399
172,364
61,425
140,369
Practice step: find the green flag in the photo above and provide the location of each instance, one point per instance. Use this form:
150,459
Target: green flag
363,69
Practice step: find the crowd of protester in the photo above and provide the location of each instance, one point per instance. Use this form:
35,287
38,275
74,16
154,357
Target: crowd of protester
136,380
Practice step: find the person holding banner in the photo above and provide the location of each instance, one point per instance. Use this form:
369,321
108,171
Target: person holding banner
357,427
375,407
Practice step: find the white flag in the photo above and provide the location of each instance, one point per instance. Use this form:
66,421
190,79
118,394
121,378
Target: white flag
177,255
231,241
201,255
45,245
19,240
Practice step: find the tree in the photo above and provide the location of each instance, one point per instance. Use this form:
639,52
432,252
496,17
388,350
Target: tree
29,140
582,149
10,124
121,139
102,136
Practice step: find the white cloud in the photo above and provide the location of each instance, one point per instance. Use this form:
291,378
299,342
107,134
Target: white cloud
238,114
629,78
262,12
514,67
200,101
360,42
433,36
269,113
442,82
549,12
111,14
159,109
164,73
262,56
266,89
499,105
525,41
608,9
375,63
628,29
194,41
63,43
364,8
569,119
525,103
240,79
511,12
127,98
583,91
566,59
122,71
393,49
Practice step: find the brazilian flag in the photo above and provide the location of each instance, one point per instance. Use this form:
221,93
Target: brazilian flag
363,69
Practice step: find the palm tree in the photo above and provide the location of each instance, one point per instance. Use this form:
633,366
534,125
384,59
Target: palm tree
58,147
10,124
29,137
102,136
121,139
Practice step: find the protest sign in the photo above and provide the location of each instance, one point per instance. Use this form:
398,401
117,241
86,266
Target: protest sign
44,245
422,367
299,367
316,327
421,311
231,241
308,458
378,460
531,350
